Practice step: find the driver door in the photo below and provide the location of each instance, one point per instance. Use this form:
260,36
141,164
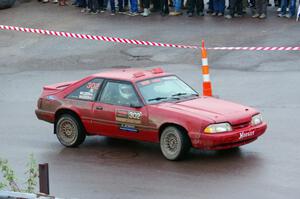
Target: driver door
119,112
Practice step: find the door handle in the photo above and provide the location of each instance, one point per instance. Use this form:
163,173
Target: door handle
99,108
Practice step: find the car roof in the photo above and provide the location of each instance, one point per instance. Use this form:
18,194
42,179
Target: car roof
131,74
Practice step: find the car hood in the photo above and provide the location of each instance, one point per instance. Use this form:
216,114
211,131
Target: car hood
213,109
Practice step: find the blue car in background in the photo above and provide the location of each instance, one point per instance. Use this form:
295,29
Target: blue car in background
6,3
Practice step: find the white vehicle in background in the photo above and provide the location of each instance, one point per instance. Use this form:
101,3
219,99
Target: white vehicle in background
6,3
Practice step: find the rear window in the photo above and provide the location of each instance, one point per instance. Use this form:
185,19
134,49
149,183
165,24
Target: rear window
87,91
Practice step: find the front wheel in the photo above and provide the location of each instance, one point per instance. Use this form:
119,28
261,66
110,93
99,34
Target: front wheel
174,143
69,131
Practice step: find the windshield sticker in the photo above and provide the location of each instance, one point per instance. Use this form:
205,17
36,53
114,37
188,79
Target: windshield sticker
170,77
145,83
127,127
93,85
133,117
156,80
85,95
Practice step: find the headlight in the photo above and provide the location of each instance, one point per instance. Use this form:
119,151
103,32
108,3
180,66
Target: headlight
218,128
256,120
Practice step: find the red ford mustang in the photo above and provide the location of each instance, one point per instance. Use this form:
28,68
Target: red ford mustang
149,106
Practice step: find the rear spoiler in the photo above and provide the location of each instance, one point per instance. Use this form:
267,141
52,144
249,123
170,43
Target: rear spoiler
58,86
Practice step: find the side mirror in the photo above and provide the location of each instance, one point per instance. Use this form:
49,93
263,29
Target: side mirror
136,105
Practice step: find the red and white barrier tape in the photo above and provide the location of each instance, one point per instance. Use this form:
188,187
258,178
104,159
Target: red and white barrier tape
258,48
93,37
137,42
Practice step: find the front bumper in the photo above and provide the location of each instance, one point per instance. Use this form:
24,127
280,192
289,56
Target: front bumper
228,140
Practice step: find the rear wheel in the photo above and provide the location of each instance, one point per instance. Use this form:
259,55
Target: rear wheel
174,143
69,131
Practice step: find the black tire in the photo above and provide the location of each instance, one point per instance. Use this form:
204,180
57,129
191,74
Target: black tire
69,131
6,3
174,143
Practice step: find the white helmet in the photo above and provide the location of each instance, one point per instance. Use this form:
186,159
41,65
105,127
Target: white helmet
125,91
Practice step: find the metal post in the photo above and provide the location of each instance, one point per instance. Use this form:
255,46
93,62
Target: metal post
44,178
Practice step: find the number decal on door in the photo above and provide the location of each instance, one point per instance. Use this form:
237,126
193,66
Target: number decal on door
134,115
126,116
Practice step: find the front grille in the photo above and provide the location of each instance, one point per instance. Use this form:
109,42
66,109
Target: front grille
241,125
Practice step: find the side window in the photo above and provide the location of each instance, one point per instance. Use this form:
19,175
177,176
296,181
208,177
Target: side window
88,91
117,93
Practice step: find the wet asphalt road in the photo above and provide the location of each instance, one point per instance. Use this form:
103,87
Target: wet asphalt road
111,168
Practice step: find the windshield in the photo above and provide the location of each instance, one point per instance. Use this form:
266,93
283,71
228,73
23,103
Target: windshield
165,89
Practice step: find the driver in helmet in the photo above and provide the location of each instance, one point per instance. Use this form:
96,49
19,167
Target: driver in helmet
127,94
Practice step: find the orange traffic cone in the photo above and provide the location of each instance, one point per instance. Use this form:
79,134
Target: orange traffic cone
207,90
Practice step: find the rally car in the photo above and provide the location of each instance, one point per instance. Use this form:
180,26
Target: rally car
146,105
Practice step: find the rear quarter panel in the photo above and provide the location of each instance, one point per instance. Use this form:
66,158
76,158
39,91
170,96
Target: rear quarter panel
52,100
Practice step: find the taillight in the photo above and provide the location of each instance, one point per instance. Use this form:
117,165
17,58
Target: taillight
39,104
